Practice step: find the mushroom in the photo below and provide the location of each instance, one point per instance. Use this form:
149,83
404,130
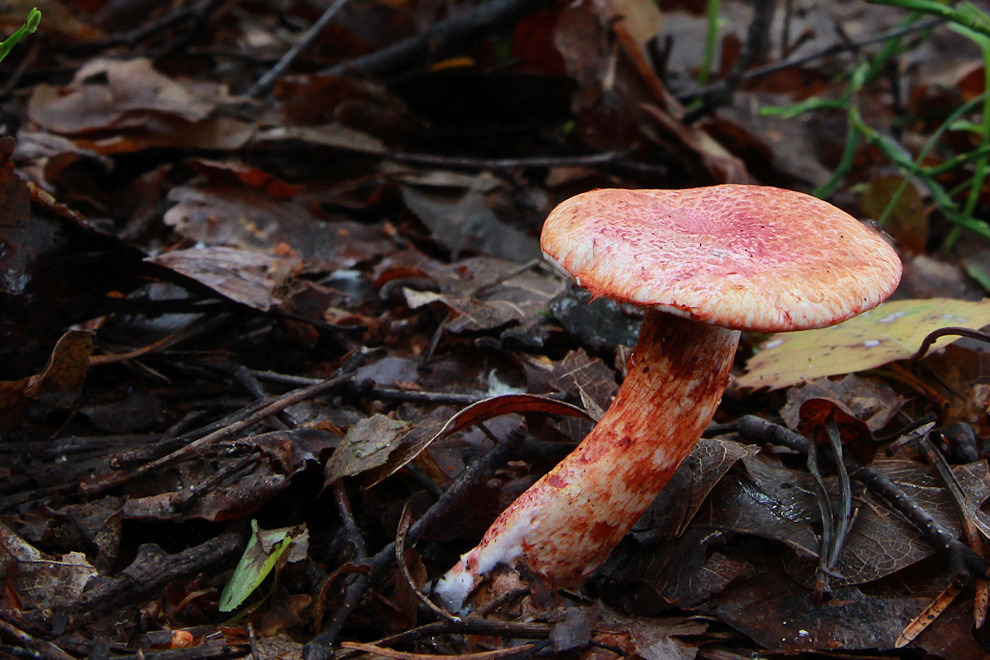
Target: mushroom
705,263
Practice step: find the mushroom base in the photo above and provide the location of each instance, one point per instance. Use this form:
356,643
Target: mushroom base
568,522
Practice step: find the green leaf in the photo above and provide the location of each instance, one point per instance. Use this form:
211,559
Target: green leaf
265,552
892,331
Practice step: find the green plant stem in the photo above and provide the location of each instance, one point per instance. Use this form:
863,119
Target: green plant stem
965,14
980,169
711,42
30,26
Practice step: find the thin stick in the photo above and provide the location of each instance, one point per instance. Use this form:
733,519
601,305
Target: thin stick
344,374
964,561
265,83
440,38
321,645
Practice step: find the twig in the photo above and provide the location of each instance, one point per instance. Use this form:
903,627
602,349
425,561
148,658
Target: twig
469,163
367,388
441,38
265,83
248,381
135,37
386,652
487,627
971,527
725,88
351,530
965,563
319,647
151,570
935,335
263,410
40,647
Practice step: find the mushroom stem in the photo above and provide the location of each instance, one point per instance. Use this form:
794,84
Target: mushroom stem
568,522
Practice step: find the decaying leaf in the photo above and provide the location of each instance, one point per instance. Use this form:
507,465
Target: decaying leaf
459,210
251,278
892,331
486,293
109,93
59,384
243,217
367,445
42,581
869,399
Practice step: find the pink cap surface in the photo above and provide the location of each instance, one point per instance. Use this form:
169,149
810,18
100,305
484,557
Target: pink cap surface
739,256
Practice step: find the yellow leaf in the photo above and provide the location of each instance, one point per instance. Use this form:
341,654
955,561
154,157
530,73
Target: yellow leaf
892,331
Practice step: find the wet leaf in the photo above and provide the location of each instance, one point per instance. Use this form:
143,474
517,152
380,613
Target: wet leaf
892,331
777,503
779,614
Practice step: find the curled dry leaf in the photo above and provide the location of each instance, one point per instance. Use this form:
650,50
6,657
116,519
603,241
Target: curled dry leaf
475,414
59,384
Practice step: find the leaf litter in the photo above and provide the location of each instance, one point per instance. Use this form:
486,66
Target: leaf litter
321,308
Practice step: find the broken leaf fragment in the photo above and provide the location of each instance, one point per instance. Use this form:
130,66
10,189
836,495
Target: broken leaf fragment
59,384
892,331
267,550
367,445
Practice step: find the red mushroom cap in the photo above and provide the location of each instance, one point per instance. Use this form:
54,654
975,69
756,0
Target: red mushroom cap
738,256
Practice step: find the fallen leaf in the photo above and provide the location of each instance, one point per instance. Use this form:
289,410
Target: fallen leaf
59,384
368,444
870,399
892,331
577,375
460,212
326,135
487,293
109,93
240,216
42,581
251,278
